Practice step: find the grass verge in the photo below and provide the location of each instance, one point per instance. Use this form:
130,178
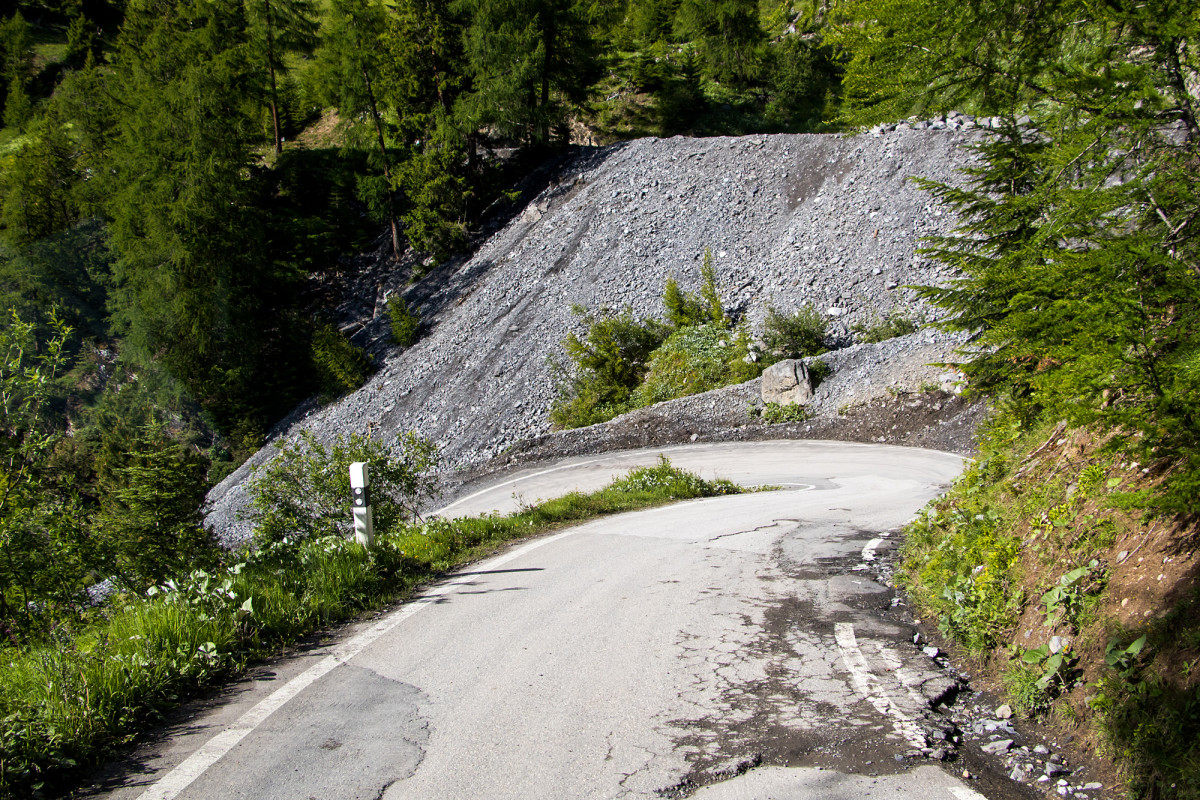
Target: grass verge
1072,600
67,707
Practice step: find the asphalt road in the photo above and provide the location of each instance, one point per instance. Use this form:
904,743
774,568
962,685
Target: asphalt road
732,647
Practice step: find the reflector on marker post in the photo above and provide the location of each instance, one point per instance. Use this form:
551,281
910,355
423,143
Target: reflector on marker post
360,492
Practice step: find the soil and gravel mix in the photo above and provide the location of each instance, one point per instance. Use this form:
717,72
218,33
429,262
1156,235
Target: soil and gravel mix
827,220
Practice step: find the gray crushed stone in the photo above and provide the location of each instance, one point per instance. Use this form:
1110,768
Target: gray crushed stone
827,220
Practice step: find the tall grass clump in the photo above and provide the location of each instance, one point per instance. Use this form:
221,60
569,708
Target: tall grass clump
889,326
694,360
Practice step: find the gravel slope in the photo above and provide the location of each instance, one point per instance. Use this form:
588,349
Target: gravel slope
791,219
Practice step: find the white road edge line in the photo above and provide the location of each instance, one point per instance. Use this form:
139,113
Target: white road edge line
518,479
907,679
871,688
183,774
868,552
559,468
965,793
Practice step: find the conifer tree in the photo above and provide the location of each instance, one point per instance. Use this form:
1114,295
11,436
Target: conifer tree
425,62
729,36
1079,259
37,183
194,285
279,28
16,64
352,65
81,42
423,82
150,518
526,57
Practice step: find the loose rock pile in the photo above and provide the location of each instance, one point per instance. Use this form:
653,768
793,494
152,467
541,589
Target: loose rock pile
1025,759
831,221
954,121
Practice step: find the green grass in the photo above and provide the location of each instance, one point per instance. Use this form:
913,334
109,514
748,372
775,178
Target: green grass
776,414
68,706
1014,532
880,329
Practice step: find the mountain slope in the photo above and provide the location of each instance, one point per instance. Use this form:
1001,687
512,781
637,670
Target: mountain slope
790,219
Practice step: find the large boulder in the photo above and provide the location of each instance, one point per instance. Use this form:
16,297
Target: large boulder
787,382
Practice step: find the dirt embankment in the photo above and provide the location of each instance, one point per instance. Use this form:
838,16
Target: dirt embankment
830,221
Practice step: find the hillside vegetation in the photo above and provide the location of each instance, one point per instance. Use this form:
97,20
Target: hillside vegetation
1064,559
179,178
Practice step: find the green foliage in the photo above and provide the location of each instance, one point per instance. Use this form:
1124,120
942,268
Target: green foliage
1080,287
889,326
626,364
43,549
527,59
729,37
18,107
964,550
1123,658
607,365
1052,664
668,482
81,42
426,67
776,414
304,492
406,325
958,562
804,76
710,293
1148,704
66,271
437,194
277,29
195,281
1064,600
16,68
66,704
796,335
350,66
683,308
71,705
1039,676
150,516
314,217
688,308
37,183
692,360
339,365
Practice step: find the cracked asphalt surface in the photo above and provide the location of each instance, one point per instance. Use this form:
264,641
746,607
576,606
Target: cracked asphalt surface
731,647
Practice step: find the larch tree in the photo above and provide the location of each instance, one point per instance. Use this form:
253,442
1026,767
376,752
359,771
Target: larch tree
193,274
1079,246
526,57
351,60
279,28
729,37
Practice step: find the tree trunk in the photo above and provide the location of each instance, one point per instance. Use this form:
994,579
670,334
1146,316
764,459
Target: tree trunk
548,31
274,87
383,153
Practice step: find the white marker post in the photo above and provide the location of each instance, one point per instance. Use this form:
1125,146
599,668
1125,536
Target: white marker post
360,488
